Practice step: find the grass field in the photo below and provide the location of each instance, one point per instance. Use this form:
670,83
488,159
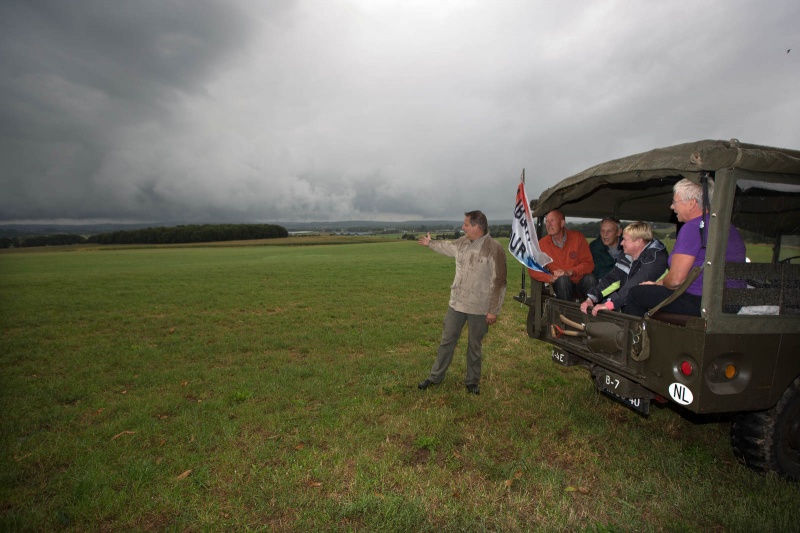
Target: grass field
274,388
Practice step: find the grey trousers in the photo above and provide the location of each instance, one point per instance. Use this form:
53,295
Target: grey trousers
453,324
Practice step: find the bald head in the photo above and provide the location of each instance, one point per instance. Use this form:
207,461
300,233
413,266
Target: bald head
554,223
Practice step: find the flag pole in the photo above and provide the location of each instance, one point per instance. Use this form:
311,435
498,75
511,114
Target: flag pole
522,292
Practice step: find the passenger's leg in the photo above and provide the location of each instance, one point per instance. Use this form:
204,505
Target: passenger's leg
642,298
586,284
563,288
685,304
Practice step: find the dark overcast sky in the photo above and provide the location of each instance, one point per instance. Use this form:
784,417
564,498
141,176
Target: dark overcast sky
315,110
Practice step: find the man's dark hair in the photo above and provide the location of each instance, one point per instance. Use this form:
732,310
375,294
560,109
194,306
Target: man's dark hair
477,218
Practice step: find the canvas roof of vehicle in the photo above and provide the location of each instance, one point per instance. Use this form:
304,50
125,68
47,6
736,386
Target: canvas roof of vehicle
639,187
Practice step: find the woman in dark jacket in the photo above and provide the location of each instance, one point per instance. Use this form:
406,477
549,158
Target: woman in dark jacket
644,259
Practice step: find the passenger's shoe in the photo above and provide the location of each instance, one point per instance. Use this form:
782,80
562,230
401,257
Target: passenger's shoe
473,389
425,384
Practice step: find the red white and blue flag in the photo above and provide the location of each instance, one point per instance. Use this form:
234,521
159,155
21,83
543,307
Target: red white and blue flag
523,244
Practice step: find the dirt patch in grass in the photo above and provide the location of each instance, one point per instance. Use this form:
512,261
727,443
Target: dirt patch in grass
419,456
148,522
572,453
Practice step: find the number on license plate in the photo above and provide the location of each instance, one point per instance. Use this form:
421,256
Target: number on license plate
559,356
610,385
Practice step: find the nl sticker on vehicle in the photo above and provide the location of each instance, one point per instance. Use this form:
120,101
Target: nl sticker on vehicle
681,393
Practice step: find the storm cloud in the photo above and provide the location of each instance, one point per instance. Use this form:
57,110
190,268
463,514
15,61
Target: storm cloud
280,111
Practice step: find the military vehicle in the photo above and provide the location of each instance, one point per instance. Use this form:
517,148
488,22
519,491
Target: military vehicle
740,360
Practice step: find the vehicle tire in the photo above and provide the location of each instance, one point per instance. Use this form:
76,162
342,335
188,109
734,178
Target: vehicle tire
769,441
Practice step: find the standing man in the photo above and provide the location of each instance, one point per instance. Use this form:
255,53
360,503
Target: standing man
476,296
572,266
607,247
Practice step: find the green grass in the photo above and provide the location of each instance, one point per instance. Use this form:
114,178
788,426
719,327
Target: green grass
274,387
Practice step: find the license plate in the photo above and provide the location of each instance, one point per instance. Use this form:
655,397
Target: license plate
612,384
560,357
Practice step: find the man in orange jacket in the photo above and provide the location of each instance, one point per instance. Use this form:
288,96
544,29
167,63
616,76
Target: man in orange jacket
572,266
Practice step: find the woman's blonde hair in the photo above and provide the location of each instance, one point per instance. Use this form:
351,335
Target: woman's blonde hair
639,230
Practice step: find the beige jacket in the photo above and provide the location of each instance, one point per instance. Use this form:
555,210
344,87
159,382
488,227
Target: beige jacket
480,283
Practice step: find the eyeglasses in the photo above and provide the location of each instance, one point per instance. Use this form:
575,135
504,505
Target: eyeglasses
679,201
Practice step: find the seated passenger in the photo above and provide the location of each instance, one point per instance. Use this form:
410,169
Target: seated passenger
688,252
644,259
571,269
606,248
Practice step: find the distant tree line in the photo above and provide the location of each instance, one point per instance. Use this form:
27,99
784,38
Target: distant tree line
502,230
160,235
192,234
59,239
592,229
589,229
439,236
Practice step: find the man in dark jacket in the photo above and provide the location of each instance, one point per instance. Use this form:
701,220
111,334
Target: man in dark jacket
644,259
606,248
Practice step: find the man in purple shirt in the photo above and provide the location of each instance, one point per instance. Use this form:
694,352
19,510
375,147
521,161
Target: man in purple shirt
688,252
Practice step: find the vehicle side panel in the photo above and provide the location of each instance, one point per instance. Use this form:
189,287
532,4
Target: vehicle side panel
650,352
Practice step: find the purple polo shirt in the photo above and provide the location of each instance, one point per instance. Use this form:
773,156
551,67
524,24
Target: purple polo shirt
688,243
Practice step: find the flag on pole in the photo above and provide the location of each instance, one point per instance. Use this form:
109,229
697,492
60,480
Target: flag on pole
524,244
